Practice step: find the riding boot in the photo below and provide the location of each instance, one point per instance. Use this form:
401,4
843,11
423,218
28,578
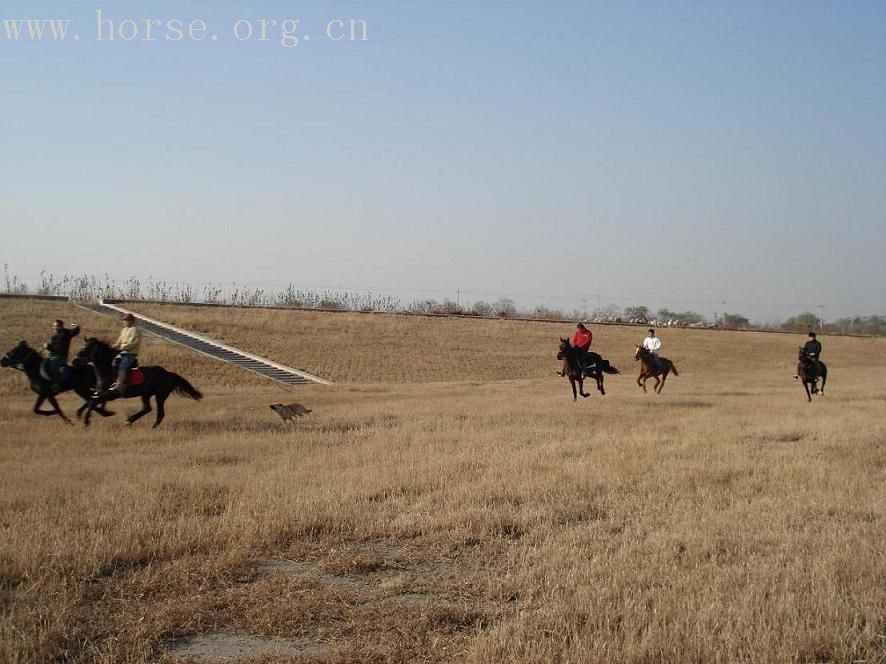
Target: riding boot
120,385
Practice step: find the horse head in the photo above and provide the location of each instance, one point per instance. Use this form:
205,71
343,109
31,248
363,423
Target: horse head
640,352
15,355
87,352
565,347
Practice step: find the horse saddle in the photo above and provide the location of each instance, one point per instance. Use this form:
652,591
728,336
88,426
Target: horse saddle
136,377
64,373
589,361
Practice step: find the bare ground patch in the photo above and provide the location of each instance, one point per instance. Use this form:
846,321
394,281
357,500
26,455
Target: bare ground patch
222,647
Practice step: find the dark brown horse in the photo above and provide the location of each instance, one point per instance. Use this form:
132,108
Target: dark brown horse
581,365
806,370
649,369
80,380
158,383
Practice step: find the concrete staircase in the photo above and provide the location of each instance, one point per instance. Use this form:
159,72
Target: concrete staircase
207,346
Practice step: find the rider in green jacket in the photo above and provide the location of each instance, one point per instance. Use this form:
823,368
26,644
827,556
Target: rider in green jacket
58,348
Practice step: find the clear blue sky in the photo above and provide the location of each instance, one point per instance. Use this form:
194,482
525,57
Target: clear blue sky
679,154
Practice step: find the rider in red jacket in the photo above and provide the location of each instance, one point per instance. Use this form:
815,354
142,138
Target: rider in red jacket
580,340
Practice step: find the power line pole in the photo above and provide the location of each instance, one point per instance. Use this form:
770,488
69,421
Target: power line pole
821,318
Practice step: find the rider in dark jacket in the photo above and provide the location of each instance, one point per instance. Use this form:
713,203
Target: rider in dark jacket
58,348
812,350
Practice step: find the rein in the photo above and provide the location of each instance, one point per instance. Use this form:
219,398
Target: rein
20,366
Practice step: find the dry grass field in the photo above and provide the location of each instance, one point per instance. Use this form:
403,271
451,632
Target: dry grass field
447,501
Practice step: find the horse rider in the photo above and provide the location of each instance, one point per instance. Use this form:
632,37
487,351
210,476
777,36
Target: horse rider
812,349
58,348
653,344
581,341
128,344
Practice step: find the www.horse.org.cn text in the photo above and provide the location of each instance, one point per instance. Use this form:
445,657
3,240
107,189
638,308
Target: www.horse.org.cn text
284,32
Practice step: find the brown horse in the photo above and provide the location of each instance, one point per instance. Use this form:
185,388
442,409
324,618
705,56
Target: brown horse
809,376
593,366
649,370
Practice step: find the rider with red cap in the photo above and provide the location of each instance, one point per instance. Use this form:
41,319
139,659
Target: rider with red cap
128,344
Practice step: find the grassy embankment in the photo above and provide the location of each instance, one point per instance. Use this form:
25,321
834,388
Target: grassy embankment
447,500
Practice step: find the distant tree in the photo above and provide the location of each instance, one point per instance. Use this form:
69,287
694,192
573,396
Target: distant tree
424,307
735,320
544,312
504,308
875,325
802,323
482,308
450,307
684,317
636,312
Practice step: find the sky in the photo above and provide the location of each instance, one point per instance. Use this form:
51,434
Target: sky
692,155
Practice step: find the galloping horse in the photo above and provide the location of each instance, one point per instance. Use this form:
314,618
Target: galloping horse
158,382
81,380
595,367
649,370
809,376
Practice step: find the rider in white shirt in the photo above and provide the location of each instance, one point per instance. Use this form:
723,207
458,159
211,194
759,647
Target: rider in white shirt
653,344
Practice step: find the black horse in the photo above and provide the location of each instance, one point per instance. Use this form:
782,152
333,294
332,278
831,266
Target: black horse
79,379
581,365
158,382
809,376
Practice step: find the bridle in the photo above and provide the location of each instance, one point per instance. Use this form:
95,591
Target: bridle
19,366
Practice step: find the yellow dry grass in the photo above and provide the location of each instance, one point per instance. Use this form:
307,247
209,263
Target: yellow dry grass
459,507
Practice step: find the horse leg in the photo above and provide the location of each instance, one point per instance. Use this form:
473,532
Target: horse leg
146,408
86,396
38,403
824,379
600,383
806,387
58,408
657,383
97,404
664,377
161,413
101,409
572,382
640,382
581,388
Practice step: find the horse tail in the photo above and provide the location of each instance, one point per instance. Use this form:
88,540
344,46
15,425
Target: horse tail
184,389
674,369
611,369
